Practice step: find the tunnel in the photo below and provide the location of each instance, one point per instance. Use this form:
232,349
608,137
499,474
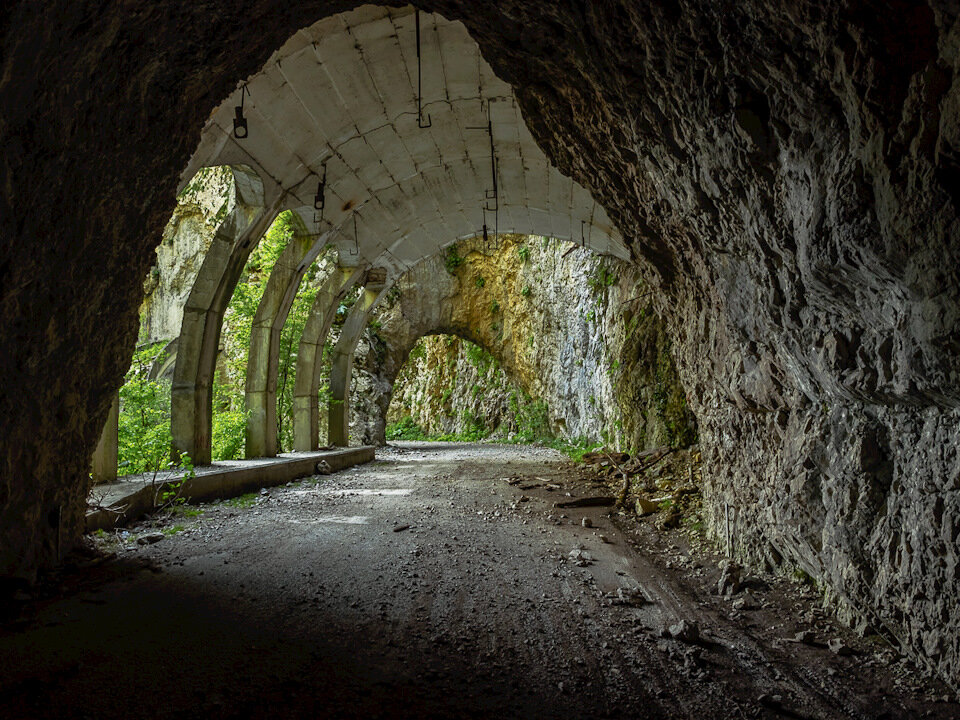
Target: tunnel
721,234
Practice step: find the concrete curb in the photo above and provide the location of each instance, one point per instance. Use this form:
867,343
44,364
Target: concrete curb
215,481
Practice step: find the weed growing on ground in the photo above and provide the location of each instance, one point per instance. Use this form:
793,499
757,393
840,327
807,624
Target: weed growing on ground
242,501
406,429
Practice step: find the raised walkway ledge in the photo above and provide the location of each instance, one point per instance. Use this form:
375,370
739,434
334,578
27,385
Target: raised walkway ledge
114,504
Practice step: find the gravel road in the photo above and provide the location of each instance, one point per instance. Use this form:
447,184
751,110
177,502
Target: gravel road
438,581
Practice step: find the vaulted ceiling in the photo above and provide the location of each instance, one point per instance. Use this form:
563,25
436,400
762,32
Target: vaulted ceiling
340,100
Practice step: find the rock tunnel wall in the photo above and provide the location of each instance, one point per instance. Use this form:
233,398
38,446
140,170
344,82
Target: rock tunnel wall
785,175
572,329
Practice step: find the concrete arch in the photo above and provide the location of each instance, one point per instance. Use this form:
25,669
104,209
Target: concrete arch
398,192
306,409
341,362
165,363
198,343
260,396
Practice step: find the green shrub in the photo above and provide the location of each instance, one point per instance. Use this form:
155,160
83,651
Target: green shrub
452,259
406,429
229,434
144,437
601,278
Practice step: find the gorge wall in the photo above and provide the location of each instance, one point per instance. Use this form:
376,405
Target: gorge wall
572,329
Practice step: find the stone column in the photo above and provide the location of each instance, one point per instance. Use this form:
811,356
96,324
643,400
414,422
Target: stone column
342,360
199,341
263,361
306,406
105,456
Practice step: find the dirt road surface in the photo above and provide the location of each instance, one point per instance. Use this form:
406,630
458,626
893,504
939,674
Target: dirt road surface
439,581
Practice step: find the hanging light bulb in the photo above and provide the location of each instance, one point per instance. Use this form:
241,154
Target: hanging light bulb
240,122
319,199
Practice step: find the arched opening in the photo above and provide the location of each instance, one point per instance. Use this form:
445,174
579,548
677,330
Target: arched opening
602,373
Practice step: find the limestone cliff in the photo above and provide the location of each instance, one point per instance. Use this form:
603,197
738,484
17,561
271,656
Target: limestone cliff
201,206
572,329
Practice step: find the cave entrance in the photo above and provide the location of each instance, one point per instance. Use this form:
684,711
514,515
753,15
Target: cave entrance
330,205
363,186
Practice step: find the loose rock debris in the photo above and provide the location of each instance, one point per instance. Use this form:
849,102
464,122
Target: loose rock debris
485,607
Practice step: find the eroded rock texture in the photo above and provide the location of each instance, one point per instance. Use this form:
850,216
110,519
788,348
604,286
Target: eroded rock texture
572,329
201,207
785,173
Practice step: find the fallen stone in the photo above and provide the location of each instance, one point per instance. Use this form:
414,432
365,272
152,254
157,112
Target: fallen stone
606,540
523,498
838,647
746,602
729,583
401,528
629,596
646,507
684,631
323,468
805,637
580,557
586,522
150,538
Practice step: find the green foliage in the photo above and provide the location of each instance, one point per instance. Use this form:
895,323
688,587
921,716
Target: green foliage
601,278
230,415
531,416
452,259
144,432
419,351
405,429
242,501
524,252
479,281
526,291
574,449
494,307
671,402
229,434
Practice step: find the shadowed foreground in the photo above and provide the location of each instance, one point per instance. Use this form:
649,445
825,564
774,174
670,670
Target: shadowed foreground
315,600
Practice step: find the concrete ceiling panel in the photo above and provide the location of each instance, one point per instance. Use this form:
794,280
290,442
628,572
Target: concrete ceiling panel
343,93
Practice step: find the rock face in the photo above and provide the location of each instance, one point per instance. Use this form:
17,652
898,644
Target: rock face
786,177
186,238
573,330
